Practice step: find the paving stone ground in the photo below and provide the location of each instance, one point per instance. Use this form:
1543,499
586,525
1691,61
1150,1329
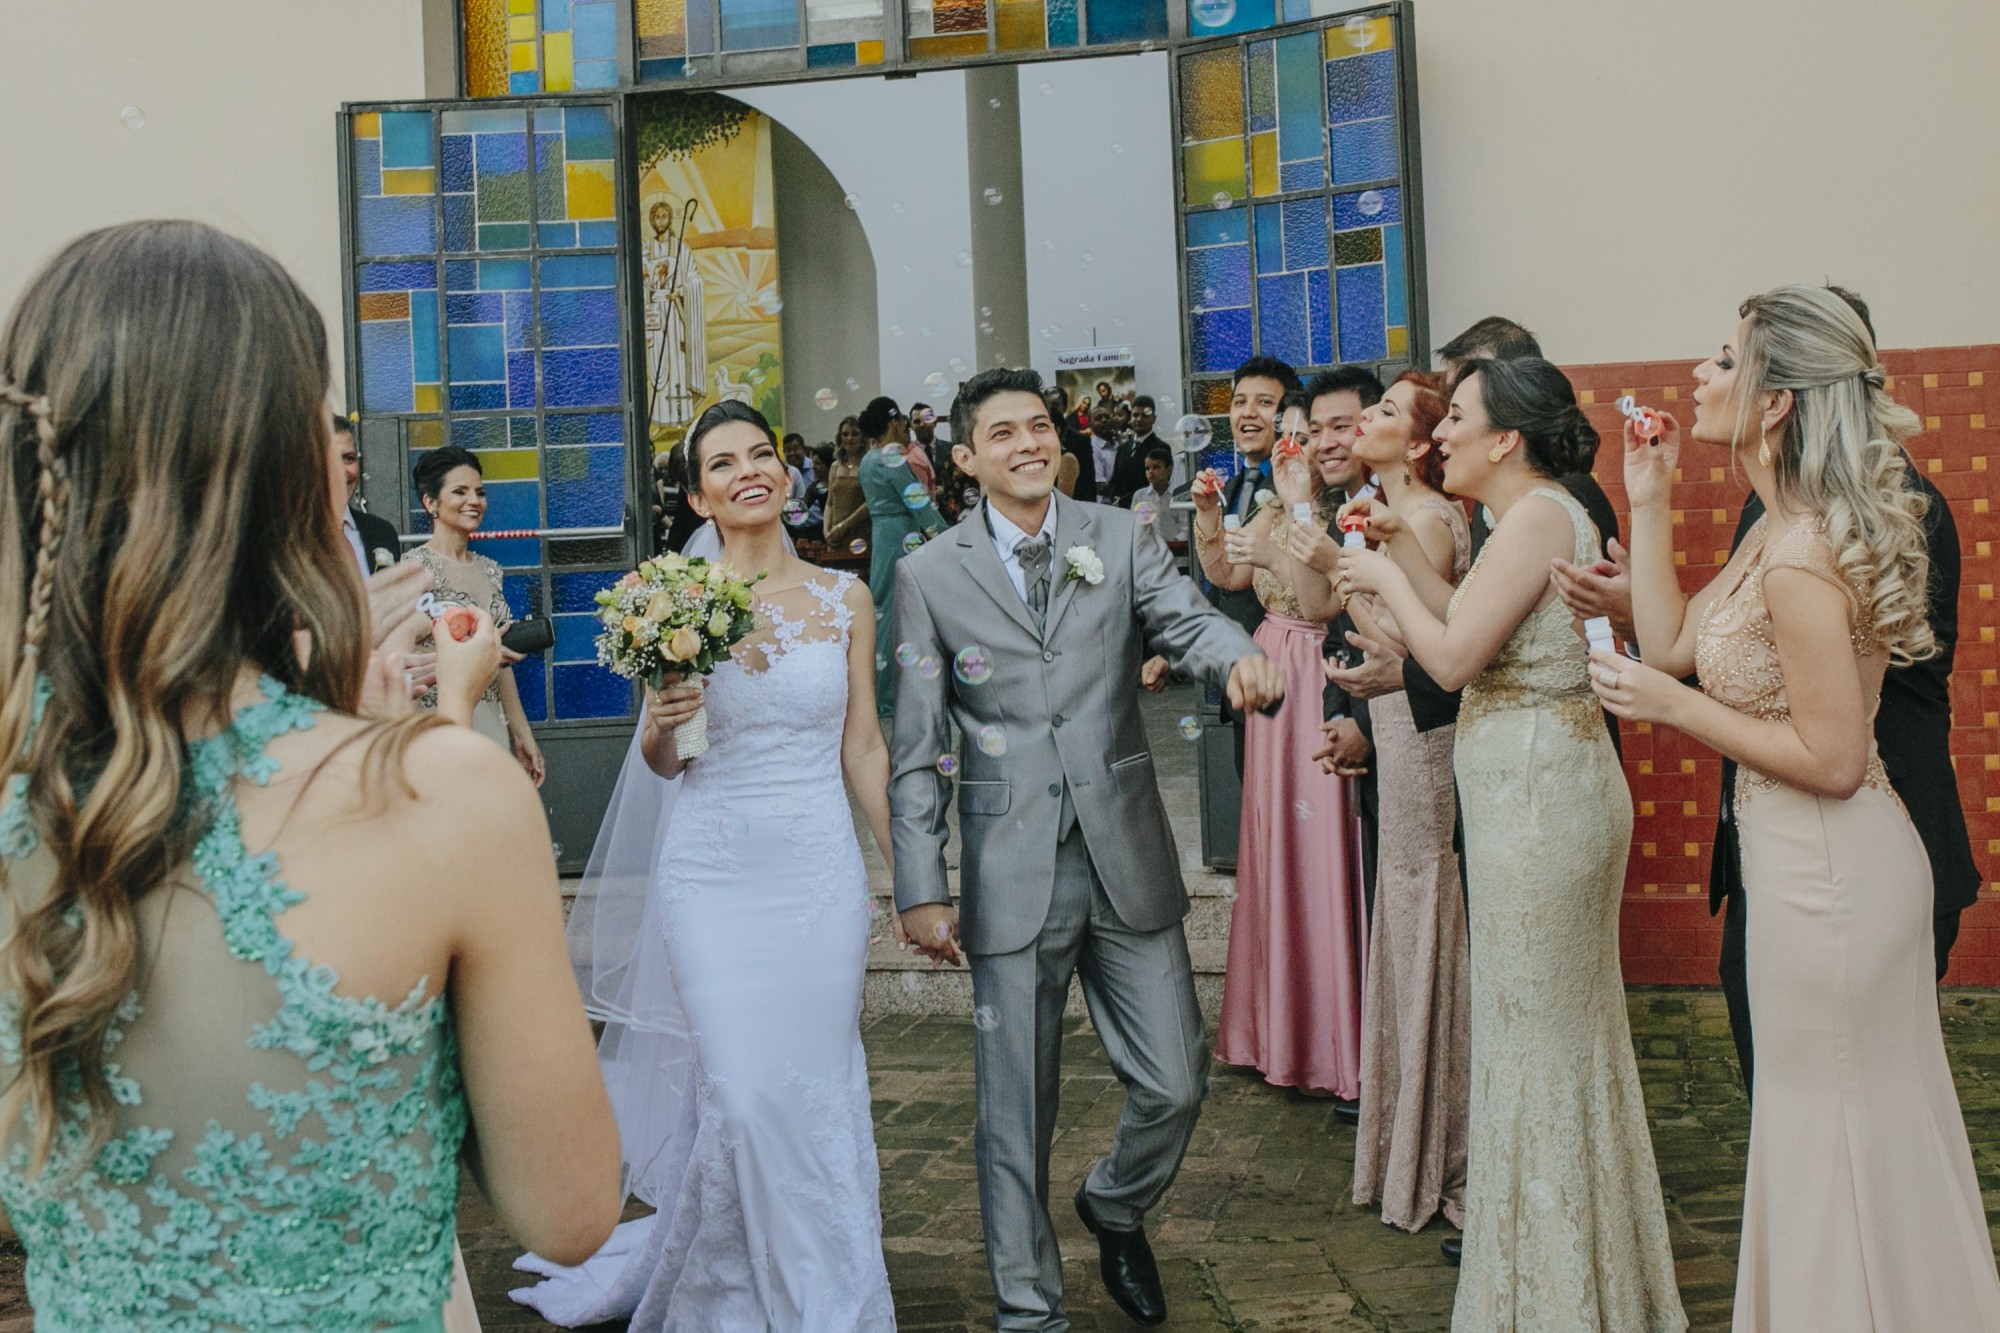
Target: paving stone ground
1257,1235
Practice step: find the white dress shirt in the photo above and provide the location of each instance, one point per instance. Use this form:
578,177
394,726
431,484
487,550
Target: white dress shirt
1006,536
1106,453
353,535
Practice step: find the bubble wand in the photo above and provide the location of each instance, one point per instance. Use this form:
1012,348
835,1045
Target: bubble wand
1649,423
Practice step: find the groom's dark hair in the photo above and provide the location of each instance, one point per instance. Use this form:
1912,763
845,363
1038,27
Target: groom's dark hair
984,385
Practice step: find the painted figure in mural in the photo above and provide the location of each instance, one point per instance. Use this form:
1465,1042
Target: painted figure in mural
676,319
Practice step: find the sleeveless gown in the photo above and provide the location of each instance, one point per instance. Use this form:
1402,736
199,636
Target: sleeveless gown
1409,1150
1565,1231
776,1225
1861,1209
1291,997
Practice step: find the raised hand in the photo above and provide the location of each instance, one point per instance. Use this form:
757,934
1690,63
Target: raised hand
1649,464
1312,547
1363,570
465,667
392,601
1600,589
1251,546
1382,522
1379,672
1206,491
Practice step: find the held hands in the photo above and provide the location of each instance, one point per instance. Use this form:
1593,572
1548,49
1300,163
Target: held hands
1601,589
1255,684
1649,464
1346,751
932,930
1633,690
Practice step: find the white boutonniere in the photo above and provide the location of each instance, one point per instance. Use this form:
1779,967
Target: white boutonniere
1084,564
382,558
1264,496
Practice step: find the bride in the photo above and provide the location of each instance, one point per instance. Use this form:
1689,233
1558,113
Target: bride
721,936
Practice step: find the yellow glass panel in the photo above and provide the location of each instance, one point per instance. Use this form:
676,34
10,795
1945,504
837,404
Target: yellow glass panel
368,125
1358,37
868,53
1020,25
485,48
557,72
430,398
660,18
1213,168
409,180
1211,95
426,434
521,7
507,464
1264,162
1399,342
521,28
520,56
942,48
590,192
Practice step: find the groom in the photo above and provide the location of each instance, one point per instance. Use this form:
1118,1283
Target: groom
1045,608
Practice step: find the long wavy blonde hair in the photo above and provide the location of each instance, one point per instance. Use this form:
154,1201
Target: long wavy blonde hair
166,482
1839,454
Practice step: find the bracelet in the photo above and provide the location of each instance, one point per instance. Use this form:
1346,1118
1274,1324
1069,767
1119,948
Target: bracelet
1212,537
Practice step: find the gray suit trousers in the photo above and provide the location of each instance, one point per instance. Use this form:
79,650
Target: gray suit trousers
1139,986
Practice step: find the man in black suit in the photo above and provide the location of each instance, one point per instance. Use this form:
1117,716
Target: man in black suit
1128,474
1073,443
1103,443
373,540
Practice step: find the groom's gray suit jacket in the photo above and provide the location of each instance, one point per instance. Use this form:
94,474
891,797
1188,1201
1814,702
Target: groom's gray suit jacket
1065,700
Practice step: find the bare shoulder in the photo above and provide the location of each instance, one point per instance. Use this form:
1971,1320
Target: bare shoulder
854,595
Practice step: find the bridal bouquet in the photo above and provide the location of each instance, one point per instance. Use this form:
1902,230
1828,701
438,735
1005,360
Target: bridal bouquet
674,615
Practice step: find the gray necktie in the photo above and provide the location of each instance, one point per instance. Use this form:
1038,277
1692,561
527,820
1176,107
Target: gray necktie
1034,557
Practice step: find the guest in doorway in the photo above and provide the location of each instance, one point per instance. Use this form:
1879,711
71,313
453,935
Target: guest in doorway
901,517
846,508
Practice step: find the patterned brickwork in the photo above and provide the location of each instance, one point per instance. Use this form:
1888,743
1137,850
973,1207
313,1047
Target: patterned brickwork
1668,935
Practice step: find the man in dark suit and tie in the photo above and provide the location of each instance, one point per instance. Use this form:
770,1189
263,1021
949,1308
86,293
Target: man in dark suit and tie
1130,473
373,540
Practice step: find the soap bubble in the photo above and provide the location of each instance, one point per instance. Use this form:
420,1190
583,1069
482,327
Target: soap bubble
1212,13
907,654
1190,728
1142,513
1047,88
1369,204
795,512
1302,809
770,303
733,828
826,400
912,541
1086,259
992,741
965,259
895,330
957,365
993,103
859,546
1360,32
134,118
1194,431
1117,147
851,200
1048,245
853,383
1541,1194
941,930
986,326
1220,200
937,383
970,495
986,312
897,208
947,765
1048,331
928,667
892,454
991,194
924,329
984,1018
916,495
972,665
1083,306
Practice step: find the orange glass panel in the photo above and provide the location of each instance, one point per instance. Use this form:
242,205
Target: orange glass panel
486,48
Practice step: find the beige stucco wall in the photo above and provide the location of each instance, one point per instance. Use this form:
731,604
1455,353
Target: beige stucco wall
1618,174
239,98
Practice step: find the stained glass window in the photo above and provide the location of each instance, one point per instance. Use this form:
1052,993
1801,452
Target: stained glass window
519,47
1293,200
488,315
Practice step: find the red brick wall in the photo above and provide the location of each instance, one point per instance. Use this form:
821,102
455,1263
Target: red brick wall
1668,935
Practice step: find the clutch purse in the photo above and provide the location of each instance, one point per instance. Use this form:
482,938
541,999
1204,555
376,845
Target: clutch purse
528,637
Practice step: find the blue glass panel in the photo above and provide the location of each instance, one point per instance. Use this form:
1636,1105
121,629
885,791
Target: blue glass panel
520,322
484,120
1361,87
1219,277
1248,16
397,224
455,173
1299,138
1362,335
577,271
594,74
503,236
520,379
513,504
421,275
1364,151
458,231
596,28
476,397
367,167
1348,209
1301,175
556,235
669,70
476,354
424,336
603,234
582,377
586,487
501,154
555,15
1281,318
583,317
1396,311
1263,104
504,275
1305,233
461,275
406,139
1297,11
1270,240
524,595
1228,226
524,83
514,552
418,523
838,55
521,432
549,181
1319,316
756,25
1062,23
385,367
479,432
585,691
587,428
531,679
574,592
576,639
1219,339
473,308
1127,21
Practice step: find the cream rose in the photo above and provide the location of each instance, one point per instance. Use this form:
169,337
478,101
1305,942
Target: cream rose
683,644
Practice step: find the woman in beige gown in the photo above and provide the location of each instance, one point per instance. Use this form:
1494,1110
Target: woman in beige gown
847,519
1861,1209
1565,1229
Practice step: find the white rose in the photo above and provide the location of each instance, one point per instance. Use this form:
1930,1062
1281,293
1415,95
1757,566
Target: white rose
1084,564
1264,496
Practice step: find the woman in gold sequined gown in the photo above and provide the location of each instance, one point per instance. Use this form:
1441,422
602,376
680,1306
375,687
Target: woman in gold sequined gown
1565,1230
1861,1209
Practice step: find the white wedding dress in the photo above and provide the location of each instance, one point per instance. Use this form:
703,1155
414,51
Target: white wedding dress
755,1145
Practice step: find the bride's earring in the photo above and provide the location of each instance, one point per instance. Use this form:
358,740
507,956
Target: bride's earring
1764,448
1495,454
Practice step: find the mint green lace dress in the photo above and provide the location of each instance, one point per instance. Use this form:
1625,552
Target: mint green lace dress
283,1157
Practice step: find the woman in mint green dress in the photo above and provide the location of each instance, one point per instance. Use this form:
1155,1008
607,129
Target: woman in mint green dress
901,518
272,947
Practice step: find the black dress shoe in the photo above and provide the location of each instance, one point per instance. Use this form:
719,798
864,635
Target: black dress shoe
1347,1110
1125,1262
1454,1249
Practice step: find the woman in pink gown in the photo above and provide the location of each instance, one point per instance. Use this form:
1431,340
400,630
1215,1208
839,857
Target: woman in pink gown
1291,1000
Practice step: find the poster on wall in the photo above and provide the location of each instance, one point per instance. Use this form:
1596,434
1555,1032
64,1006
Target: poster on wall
708,225
1091,374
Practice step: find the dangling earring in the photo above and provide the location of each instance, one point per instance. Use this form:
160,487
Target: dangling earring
1764,448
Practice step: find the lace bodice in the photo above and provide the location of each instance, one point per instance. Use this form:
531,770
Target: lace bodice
300,1174
474,581
1275,594
1736,650
1544,662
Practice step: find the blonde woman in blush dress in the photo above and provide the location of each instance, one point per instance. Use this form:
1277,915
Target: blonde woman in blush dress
1861,1207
